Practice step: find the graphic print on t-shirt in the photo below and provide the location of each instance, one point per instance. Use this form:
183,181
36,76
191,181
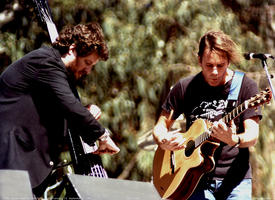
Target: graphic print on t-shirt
212,110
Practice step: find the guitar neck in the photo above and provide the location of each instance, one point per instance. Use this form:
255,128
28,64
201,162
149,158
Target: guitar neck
235,112
227,118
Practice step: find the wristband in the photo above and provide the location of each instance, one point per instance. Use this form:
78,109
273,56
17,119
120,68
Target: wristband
238,143
104,136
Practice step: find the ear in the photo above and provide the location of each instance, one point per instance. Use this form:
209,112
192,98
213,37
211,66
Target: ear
72,50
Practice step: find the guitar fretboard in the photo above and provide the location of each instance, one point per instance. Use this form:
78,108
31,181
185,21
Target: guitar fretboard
227,118
235,112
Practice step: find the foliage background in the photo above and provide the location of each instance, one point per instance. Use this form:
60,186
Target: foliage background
152,44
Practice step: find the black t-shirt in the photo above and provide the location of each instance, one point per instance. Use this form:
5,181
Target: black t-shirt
193,97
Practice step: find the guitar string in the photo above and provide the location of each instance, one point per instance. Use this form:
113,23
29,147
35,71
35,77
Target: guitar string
206,135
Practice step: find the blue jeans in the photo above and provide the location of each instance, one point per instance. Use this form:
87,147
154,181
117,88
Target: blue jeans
241,191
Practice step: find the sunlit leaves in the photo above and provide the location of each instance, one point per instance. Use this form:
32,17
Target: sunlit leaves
147,40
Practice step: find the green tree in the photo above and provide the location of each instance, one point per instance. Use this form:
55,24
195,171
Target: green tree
150,42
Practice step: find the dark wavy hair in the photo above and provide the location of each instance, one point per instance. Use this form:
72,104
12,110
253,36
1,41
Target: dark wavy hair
87,39
220,42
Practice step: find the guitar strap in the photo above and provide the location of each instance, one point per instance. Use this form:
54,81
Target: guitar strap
232,99
235,89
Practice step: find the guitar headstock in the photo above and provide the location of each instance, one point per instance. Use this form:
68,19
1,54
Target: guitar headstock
259,99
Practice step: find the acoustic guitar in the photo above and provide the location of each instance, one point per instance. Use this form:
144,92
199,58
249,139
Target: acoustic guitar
177,173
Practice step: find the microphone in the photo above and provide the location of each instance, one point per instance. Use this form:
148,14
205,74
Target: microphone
262,56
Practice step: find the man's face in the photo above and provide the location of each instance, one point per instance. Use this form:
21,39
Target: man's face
214,67
82,66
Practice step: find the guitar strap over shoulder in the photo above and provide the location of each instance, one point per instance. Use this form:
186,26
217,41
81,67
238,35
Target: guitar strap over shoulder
235,89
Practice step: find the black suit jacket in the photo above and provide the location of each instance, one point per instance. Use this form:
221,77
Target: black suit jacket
36,97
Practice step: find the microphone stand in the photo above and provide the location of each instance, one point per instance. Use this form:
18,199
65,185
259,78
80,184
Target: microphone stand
264,63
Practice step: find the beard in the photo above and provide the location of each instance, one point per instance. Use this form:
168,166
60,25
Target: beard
82,81
79,82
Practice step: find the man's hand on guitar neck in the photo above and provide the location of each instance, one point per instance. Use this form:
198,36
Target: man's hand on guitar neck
225,133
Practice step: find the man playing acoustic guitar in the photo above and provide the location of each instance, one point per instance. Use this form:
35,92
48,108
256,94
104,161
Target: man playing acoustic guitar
204,96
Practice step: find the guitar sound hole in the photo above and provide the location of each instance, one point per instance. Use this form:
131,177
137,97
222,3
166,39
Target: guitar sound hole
190,147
